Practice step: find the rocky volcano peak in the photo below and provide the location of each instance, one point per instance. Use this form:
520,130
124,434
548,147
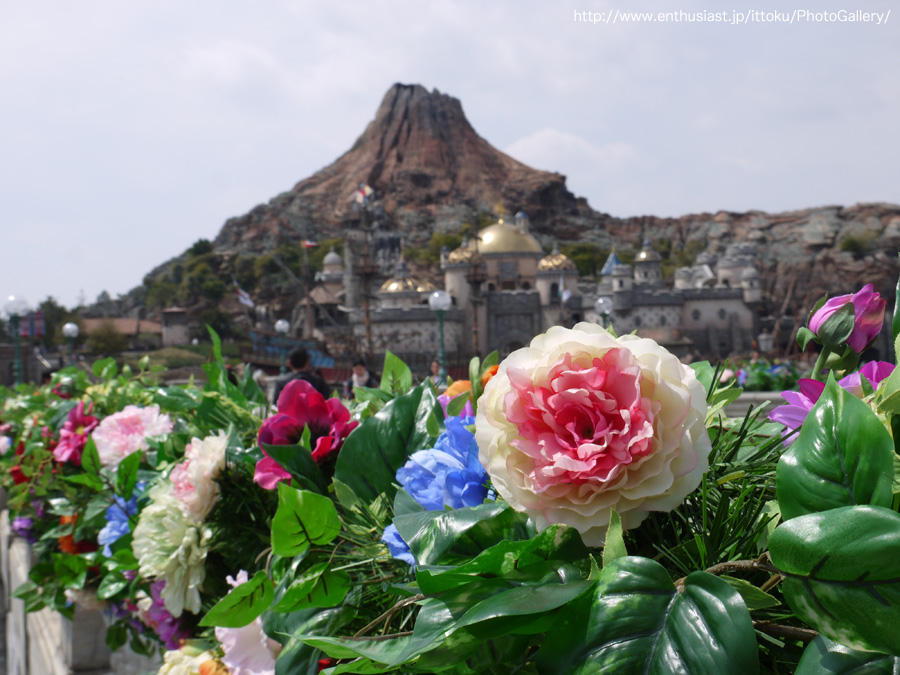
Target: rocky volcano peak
429,169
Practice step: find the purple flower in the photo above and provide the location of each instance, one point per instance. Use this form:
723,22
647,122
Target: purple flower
467,411
157,617
449,474
800,403
868,307
22,527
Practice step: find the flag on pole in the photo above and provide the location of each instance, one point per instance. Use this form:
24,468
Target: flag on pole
564,292
310,244
243,296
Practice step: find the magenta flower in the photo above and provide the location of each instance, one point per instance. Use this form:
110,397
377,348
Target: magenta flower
869,309
74,434
301,406
800,403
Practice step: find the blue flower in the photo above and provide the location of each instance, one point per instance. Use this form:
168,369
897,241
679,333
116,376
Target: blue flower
117,520
398,548
449,474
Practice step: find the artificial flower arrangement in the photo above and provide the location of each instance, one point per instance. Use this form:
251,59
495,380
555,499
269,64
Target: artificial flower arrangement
583,506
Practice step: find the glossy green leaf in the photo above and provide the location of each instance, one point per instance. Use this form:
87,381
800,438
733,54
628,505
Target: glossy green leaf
842,574
396,376
464,532
176,399
316,586
105,368
302,518
243,604
895,323
558,543
298,658
753,597
824,657
90,459
88,480
636,622
804,337
887,399
838,327
297,461
457,403
614,548
112,583
383,443
126,475
70,570
842,456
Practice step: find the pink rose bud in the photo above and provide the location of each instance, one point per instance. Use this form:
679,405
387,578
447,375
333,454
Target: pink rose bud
868,307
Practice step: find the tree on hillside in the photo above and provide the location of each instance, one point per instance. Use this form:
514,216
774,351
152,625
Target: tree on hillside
106,339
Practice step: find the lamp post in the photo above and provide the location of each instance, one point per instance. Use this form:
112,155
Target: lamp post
440,302
766,342
603,307
70,331
282,327
15,309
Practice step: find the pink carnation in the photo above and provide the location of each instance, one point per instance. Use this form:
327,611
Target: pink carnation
125,432
74,434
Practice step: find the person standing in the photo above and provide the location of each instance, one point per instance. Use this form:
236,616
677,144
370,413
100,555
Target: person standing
298,361
360,377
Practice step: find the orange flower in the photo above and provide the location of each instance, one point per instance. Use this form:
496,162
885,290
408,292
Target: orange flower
458,387
67,544
213,667
488,374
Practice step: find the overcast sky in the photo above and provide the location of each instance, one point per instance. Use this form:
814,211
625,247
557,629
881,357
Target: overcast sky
128,130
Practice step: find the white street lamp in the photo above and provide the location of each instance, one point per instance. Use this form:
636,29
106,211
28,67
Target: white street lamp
70,331
282,327
439,302
604,307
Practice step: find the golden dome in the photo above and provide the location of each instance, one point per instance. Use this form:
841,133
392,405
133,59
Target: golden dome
406,285
505,238
463,255
556,262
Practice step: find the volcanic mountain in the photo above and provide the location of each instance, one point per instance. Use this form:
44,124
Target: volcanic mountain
429,168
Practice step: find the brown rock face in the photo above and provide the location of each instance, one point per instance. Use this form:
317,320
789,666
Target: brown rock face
431,170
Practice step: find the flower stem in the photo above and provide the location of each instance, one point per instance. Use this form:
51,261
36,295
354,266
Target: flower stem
820,362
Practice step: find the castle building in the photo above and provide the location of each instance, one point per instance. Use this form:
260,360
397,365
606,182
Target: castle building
506,290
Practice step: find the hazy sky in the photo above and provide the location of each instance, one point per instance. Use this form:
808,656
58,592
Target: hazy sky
128,130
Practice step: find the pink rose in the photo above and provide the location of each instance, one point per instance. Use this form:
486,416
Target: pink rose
580,423
193,480
301,406
869,316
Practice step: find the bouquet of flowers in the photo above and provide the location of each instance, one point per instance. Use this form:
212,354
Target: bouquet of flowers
583,506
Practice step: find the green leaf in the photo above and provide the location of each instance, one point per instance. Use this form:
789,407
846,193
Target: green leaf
297,461
105,368
302,518
90,459
86,479
842,574
838,327
328,589
457,403
842,456
112,583
816,307
615,540
558,543
243,604
705,374
489,362
383,443
433,425
753,597
298,658
396,376
465,532
175,399
887,398
824,657
895,324
126,475
636,622
804,337
70,570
